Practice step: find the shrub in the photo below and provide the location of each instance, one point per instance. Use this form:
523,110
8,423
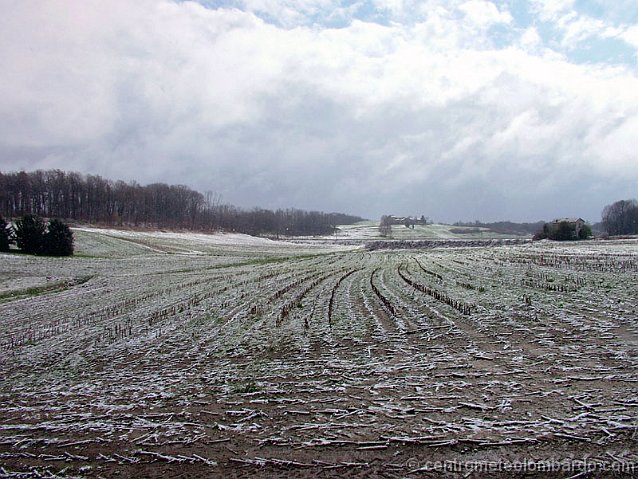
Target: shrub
585,232
29,231
563,232
58,240
541,234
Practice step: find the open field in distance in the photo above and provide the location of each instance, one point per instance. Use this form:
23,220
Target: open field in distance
369,230
186,355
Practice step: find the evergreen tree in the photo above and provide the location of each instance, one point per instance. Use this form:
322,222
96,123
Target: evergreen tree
29,231
58,240
6,235
585,232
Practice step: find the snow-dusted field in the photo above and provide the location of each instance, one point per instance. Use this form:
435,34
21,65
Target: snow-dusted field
369,230
105,242
165,354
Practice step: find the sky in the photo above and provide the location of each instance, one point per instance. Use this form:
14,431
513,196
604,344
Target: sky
454,109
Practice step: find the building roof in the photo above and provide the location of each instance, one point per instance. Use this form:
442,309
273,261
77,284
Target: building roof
568,220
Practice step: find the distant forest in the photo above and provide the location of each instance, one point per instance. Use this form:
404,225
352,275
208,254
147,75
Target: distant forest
99,201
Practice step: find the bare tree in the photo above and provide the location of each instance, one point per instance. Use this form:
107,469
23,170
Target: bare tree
621,217
385,226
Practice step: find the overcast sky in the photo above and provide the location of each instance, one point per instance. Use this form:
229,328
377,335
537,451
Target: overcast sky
521,110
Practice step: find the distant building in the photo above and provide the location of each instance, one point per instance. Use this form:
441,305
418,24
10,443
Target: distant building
408,220
576,223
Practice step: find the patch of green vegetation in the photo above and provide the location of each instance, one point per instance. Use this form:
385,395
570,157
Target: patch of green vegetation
281,259
40,290
245,388
33,291
87,256
200,321
15,252
250,262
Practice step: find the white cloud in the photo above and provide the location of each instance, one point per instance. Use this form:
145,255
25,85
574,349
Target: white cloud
530,39
630,35
290,13
552,10
484,13
576,28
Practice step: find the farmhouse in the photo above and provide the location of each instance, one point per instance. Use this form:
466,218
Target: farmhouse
576,223
407,220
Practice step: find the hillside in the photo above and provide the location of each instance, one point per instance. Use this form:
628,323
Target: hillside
369,230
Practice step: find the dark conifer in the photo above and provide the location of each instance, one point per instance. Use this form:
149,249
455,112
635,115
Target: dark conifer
29,231
58,240
6,235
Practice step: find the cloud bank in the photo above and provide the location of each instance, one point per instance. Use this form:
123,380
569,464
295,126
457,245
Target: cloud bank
452,109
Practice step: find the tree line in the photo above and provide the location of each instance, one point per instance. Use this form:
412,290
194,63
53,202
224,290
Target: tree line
96,200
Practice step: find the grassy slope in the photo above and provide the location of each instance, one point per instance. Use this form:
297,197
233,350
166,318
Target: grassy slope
370,230
111,243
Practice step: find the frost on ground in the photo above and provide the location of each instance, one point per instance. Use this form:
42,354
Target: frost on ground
104,242
369,230
155,355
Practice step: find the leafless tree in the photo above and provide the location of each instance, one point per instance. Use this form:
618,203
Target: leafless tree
621,217
385,226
